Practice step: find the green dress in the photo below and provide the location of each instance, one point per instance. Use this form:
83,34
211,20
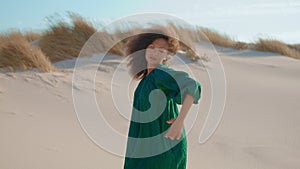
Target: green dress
155,102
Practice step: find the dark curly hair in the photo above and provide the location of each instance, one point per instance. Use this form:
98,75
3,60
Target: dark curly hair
136,50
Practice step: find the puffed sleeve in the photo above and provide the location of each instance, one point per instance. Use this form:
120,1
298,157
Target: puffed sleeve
176,84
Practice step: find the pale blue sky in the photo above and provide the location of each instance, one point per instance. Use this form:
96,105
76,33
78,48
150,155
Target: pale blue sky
244,20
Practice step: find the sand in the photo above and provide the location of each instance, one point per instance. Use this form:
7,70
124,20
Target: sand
259,129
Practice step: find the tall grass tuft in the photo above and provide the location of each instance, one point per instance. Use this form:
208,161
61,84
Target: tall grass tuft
32,36
64,41
295,46
272,45
16,53
223,40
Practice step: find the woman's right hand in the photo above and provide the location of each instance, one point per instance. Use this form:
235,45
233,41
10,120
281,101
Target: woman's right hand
171,121
175,131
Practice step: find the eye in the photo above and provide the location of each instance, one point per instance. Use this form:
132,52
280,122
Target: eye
163,51
151,46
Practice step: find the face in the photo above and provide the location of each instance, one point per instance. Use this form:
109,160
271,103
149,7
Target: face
157,52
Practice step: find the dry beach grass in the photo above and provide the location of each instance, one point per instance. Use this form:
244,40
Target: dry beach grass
64,40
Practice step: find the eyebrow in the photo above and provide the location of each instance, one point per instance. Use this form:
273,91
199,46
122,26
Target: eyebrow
160,47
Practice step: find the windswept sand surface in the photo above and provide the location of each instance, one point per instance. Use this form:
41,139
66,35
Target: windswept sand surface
259,129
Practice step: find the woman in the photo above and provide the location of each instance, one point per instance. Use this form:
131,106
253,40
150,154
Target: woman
156,137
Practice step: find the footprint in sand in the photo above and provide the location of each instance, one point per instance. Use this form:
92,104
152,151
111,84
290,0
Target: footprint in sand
11,75
13,113
53,149
2,91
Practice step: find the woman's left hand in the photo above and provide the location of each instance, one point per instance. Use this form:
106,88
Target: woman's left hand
175,131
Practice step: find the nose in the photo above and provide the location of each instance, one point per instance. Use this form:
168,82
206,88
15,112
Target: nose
161,51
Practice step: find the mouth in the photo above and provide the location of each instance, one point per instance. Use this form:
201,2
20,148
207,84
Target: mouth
151,58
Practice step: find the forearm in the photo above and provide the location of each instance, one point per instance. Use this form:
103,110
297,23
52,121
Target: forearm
175,130
186,105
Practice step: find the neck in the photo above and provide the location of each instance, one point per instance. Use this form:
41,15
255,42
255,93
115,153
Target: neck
150,68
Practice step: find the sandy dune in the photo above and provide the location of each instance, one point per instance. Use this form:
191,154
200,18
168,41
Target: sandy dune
259,129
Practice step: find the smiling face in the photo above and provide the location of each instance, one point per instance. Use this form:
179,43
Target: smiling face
157,52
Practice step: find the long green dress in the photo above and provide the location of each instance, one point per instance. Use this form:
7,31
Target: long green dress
155,102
